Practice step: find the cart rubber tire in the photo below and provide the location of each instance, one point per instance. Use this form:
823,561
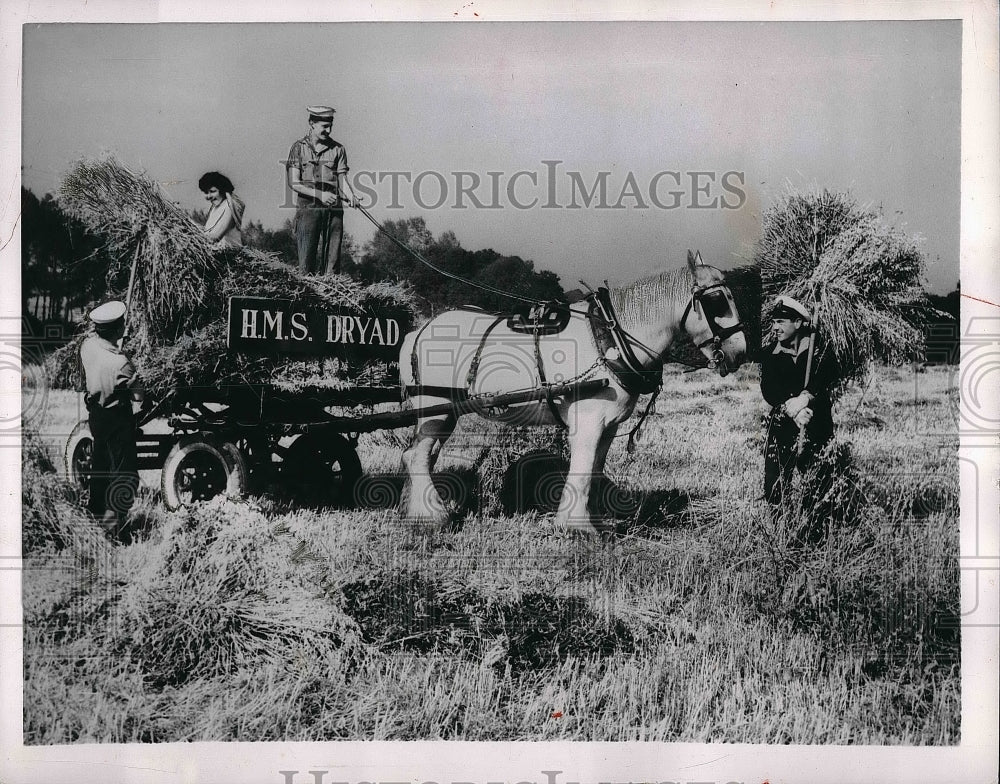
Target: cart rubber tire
199,469
79,455
322,468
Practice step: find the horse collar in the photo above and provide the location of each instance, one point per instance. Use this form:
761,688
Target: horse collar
615,348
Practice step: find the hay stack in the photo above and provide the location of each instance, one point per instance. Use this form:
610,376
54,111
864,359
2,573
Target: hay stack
180,287
861,277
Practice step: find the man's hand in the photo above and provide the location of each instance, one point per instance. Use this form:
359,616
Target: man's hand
802,418
794,405
328,199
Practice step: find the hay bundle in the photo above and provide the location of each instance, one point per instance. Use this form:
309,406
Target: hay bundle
174,264
861,277
218,589
180,288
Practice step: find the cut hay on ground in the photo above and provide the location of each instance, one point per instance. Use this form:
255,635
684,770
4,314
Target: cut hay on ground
181,288
51,518
861,277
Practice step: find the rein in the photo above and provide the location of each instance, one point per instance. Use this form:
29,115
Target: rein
604,318
407,249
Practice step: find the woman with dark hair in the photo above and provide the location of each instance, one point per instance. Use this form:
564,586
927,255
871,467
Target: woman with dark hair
225,216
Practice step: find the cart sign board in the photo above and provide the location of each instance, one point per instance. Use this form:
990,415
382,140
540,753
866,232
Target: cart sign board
267,326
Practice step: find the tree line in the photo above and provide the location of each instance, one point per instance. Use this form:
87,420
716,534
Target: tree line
64,266
64,269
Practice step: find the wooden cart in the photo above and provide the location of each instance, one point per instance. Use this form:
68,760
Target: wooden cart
248,438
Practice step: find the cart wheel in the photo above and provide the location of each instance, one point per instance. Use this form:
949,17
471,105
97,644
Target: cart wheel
80,456
199,469
321,468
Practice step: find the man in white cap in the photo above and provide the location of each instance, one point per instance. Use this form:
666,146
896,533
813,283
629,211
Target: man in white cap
317,173
110,381
798,390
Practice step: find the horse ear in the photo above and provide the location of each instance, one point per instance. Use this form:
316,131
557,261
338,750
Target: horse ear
697,258
692,265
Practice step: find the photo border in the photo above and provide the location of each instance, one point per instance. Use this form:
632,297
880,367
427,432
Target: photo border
479,763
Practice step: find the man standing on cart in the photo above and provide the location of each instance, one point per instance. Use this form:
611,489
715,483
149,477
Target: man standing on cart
317,173
110,381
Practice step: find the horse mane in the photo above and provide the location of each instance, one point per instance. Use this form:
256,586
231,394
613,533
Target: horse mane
652,299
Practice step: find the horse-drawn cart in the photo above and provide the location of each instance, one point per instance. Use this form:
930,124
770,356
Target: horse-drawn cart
244,436
242,439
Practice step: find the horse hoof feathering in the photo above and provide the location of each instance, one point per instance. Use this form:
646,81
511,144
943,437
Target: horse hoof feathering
621,336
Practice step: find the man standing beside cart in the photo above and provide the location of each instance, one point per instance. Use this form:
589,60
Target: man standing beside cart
317,173
110,381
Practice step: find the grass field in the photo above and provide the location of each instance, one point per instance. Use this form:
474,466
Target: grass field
702,621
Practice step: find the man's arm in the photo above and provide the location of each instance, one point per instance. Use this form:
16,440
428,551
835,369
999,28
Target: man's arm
773,385
343,184
127,379
346,189
826,371
295,183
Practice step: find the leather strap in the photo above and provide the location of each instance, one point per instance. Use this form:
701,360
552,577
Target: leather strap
622,362
541,379
474,367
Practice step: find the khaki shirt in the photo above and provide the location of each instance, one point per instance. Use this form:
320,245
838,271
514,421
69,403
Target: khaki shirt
319,167
108,374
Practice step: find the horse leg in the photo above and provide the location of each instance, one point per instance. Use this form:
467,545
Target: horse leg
600,458
424,503
603,447
585,445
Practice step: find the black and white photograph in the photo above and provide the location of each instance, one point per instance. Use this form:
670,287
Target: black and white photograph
622,385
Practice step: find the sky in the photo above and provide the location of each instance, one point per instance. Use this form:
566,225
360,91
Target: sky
697,127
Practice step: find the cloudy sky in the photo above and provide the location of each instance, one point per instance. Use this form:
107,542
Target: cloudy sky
497,131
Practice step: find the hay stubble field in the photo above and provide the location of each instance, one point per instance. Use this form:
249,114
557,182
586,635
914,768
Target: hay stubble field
703,621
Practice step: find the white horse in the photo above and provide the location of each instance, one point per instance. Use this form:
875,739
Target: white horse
470,352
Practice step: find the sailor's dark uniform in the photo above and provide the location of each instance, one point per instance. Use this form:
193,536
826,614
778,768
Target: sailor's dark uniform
114,477
783,377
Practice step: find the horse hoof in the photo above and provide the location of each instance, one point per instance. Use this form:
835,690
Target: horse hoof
425,520
586,529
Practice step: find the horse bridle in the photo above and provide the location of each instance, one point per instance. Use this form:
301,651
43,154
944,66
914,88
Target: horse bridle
719,334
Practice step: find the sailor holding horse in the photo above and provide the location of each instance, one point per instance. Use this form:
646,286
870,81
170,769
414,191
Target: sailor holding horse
621,335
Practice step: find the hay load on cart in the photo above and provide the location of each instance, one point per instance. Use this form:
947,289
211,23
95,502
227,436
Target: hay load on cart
862,279
241,354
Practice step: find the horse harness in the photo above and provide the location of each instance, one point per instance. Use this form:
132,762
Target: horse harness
614,345
715,303
541,319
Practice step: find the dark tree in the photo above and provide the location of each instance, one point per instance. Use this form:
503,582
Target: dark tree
382,259
63,266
